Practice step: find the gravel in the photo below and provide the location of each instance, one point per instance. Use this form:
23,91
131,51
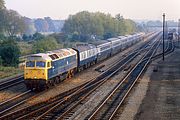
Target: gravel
12,92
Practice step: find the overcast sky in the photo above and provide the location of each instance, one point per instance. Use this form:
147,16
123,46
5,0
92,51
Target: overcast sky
133,9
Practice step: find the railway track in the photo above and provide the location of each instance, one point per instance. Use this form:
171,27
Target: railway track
11,82
27,109
108,108
71,110
63,107
14,102
34,111
169,49
111,103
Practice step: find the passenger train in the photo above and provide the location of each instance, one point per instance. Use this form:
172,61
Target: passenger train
46,69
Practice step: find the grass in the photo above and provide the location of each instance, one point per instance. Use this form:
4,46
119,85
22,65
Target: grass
9,71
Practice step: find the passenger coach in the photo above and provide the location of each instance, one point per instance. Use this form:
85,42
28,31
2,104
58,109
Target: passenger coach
104,49
86,54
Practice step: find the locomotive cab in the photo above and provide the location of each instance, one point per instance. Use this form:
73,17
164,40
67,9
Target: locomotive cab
35,72
36,69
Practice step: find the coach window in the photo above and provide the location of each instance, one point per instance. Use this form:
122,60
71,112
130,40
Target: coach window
85,55
89,52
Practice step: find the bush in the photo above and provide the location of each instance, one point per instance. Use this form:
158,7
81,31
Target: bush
46,44
9,53
38,36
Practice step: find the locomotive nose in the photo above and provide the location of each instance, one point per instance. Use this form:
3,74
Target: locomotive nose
35,74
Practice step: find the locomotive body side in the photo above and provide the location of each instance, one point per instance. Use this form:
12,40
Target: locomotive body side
64,65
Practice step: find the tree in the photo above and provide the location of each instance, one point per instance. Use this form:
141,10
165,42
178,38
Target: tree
1,61
86,24
38,36
50,24
60,37
30,28
46,44
130,26
9,53
12,23
119,17
2,4
41,25
2,37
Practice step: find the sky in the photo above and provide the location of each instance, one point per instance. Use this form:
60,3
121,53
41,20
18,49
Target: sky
133,9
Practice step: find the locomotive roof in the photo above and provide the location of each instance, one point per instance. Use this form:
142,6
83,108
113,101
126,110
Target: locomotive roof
53,55
99,42
39,56
84,47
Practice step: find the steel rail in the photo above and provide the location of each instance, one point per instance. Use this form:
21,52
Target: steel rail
11,82
124,81
55,107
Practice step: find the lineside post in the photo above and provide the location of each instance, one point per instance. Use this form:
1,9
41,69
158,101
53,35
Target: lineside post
163,33
178,30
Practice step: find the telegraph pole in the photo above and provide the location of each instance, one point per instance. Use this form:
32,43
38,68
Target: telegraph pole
163,33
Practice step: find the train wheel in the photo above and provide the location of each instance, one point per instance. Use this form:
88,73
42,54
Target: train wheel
28,86
39,88
79,70
57,80
53,82
62,78
89,64
72,73
67,75
48,84
86,66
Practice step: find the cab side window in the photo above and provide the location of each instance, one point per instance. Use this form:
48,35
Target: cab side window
48,64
